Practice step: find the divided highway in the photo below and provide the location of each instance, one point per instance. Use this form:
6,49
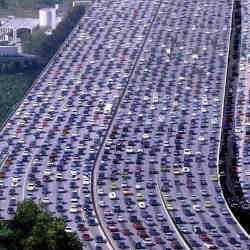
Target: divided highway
120,135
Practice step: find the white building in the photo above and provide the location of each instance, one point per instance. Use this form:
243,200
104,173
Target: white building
47,17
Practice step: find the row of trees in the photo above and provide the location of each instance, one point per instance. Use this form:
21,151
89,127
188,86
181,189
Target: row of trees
33,228
3,4
43,46
13,67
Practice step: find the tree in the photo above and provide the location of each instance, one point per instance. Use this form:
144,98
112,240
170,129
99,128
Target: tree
33,228
3,4
43,46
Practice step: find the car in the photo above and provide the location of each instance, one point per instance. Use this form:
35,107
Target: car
86,237
100,239
112,196
116,236
138,245
142,205
68,229
30,187
100,191
122,245
176,245
204,237
74,209
112,228
120,218
210,246
196,229
197,208
126,231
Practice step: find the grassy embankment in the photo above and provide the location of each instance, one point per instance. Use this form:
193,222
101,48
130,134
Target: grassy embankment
12,88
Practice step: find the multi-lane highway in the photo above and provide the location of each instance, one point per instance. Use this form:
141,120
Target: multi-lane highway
120,135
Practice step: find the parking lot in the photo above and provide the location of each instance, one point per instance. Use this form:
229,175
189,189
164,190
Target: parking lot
121,133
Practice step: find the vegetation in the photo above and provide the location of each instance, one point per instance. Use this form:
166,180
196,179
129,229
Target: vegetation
26,8
43,46
33,228
16,77
12,89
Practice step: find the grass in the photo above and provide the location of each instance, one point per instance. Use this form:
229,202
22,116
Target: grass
12,88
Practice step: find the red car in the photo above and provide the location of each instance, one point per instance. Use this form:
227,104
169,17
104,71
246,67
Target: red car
203,237
86,237
176,245
112,228
138,226
143,234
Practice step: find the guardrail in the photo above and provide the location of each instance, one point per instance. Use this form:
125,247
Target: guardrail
221,123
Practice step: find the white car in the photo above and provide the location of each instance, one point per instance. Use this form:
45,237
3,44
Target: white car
185,170
138,187
85,182
47,171
112,196
100,191
187,151
73,209
197,208
129,149
59,176
45,200
30,187
68,229
142,205
120,218
102,203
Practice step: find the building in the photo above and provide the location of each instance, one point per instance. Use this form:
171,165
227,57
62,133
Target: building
82,2
9,27
47,18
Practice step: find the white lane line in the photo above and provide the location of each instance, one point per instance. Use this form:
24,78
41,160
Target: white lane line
170,219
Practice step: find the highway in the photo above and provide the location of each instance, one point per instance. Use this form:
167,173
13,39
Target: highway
121,133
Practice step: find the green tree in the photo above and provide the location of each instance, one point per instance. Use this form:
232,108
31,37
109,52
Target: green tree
33,228
3,4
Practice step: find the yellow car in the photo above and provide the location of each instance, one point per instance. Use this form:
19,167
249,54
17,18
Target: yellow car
113,186
170,207
164,169
208,204
139,197
214,177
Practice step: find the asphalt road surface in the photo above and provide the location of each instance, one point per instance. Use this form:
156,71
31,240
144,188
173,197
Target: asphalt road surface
120,135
